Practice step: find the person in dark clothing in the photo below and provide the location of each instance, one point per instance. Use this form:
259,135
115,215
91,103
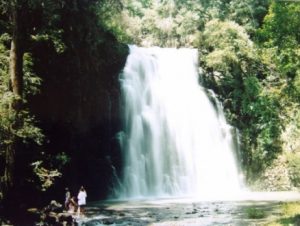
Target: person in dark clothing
67,198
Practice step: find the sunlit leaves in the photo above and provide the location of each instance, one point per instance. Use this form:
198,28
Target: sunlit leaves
229,38
32,82
46,176
166,23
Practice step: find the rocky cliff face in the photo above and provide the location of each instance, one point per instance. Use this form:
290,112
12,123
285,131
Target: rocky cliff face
78,109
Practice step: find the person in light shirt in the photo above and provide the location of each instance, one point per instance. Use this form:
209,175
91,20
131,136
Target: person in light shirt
82,199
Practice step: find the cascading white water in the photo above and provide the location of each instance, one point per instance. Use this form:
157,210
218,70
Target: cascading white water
174,142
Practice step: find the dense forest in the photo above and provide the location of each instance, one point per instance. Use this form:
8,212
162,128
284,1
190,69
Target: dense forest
60,94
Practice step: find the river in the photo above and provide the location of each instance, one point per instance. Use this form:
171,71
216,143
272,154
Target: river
188,212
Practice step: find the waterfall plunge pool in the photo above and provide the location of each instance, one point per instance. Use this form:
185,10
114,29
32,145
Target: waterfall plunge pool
188,212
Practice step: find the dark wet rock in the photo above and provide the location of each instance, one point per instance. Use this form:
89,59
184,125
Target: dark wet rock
193,212
121,214
108,221
66,218
54,206
52,214
51,220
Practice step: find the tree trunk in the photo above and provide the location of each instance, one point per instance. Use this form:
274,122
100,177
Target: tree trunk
16,82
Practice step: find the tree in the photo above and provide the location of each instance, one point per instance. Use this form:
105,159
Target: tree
279,39
17,125
153,23
234,69
281,31
248,13
15,10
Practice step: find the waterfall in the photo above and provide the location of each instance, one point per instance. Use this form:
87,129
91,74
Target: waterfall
175,142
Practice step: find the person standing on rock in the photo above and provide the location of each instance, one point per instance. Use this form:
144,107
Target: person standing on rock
67,198
82,199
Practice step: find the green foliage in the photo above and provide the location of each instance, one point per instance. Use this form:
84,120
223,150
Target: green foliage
110,17
249,14
176,23
5,99
279,45
254,213
62,159
47,169
46,177
235,71
289,215
281,31
293,160
28,131
277,33
55,37
148,23
225,44
32,82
